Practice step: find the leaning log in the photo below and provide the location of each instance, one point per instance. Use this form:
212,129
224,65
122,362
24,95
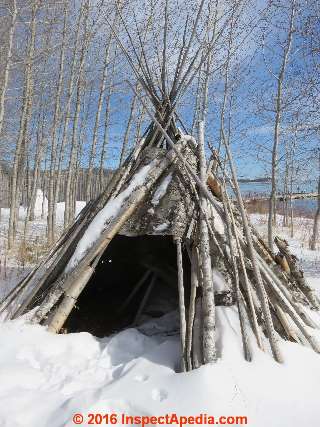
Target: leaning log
69,300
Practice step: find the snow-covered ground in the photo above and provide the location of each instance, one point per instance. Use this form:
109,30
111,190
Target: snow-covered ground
45,379
16,265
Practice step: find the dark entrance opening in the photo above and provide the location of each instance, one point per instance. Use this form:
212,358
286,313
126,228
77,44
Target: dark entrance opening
102,309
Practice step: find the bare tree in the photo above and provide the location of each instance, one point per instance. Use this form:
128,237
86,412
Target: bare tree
8,61
280,76
69,211
88,193
105,140
54,130
316,224
24,126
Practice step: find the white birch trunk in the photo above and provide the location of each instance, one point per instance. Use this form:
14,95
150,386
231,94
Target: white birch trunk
53,157
88,193
68,212
8,63
24,128
316,223
277,123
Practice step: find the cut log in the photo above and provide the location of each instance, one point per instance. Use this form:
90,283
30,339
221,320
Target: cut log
214,186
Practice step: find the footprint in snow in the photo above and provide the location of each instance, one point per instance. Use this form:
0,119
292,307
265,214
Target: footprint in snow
159,394
141,378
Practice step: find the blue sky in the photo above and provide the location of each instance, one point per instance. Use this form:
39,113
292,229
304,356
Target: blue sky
250,78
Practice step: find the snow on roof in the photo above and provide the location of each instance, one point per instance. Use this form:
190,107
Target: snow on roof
109,211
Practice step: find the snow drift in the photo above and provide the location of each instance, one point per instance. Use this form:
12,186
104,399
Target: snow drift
46,378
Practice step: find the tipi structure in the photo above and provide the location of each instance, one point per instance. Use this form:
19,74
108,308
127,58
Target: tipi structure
168,215
158,193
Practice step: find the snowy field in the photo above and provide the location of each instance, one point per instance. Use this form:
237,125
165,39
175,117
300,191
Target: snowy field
45,379
15,266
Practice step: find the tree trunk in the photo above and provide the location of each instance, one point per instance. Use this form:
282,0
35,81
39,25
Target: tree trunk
68,212
24,128
278,110
316,223
88,194
106,129
8,63
127,131
53,157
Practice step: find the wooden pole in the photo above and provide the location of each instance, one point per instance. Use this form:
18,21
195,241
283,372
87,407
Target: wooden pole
69,301
273,339
284,290
240,302
145,299
202,185
193,255
197,352
134,291
247,285
290,310
208,306
182,309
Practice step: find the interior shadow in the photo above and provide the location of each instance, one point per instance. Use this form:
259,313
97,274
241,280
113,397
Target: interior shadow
104,306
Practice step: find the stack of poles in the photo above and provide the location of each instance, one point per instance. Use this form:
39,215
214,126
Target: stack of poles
261,289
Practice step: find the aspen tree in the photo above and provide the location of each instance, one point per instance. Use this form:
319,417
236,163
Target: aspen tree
24,126
8,61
